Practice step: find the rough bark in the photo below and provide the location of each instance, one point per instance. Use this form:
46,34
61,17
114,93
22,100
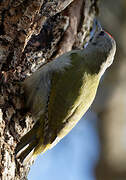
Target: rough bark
32,33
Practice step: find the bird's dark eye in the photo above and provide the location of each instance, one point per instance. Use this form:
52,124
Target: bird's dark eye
101,33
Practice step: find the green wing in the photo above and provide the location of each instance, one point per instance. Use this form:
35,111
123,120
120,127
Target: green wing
68,95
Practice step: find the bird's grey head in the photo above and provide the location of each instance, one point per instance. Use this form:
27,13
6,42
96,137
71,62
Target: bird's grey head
104,47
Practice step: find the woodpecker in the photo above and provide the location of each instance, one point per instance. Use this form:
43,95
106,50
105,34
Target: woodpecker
61,91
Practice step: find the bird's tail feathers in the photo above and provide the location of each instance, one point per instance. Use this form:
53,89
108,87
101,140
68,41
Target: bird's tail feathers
25,148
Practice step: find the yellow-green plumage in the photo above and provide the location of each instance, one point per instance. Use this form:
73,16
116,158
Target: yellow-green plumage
61,92
66,107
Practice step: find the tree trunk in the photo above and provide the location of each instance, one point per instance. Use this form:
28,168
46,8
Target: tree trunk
31,34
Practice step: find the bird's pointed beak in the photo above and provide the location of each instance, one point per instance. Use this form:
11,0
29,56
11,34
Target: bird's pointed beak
95,28
98,25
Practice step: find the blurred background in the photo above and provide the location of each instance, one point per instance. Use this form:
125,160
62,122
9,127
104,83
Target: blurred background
96,148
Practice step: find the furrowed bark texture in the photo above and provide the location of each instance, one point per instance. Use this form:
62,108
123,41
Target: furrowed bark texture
31,34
